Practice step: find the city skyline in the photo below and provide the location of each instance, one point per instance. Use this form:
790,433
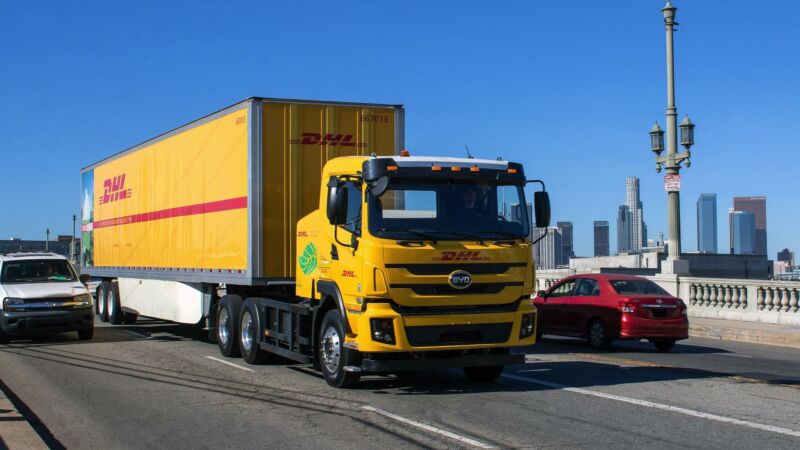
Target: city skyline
598,118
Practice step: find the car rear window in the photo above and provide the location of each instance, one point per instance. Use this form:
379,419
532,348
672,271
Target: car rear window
637,287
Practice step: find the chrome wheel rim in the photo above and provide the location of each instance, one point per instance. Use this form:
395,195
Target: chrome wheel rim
597,333
247,331
101,302
330,349
222,326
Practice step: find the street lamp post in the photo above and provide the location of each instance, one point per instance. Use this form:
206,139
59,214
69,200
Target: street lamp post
672,160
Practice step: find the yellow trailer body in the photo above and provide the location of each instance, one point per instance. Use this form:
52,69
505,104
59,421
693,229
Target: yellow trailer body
219,198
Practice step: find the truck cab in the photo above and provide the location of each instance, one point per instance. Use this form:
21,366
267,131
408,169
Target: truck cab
427,261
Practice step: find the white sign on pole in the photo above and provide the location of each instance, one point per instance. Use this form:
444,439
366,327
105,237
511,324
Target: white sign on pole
672,183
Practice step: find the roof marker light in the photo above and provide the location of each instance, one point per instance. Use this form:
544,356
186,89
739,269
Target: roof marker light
455,169
474,169
436,168
391,168
512,171
405,153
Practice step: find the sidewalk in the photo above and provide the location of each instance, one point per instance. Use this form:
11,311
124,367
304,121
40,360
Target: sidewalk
752,332
15,431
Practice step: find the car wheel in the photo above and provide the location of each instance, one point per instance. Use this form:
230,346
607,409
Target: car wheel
102,294
249,330
333,355
230,306
115,314
663,345
598,335
86,334
3,337
485,374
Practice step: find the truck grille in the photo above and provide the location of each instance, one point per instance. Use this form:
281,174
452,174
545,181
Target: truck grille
446,269
446,289
489,333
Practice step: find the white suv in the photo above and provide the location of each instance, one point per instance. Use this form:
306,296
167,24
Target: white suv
41,293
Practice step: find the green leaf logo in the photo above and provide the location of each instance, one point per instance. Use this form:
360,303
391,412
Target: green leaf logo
308,260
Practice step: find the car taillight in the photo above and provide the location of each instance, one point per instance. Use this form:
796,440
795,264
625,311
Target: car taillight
681,308
626,307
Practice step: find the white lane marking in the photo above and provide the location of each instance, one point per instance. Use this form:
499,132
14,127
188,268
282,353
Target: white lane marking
648,404
733,354
414,423
230,363
141,335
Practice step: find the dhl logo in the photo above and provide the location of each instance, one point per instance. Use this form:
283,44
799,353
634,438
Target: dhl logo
469,255
114,189
345,140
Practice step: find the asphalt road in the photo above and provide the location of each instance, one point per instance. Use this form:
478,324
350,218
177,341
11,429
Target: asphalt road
159,385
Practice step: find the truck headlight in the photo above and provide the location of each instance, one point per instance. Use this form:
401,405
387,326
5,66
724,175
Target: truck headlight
382,330
12,301
527,326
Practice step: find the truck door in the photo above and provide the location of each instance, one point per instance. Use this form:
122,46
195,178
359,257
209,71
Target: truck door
344,260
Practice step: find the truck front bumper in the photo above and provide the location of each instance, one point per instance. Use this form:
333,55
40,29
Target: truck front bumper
441,360
48,321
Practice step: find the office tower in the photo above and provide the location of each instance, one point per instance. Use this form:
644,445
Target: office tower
567,251
758,207
707,223
743,232
623,229
638,230
786,256
547,252
601,238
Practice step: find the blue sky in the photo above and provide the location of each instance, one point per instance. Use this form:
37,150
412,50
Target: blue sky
570,89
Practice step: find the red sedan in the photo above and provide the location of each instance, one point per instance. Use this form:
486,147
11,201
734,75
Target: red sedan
605,307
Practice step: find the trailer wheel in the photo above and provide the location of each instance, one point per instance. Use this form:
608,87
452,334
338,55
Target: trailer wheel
102,294
249,331
115,314
333,356
230,307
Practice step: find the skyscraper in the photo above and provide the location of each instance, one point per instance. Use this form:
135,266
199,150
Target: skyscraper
601,238
547,252
638,229
787,256
567,251
623,229
707,223
743,232
758,207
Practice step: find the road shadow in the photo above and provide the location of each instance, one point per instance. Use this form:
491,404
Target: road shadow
559,344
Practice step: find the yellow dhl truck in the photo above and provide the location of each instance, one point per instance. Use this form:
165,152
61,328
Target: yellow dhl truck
300,229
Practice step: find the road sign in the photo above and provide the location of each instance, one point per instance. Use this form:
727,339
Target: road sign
672,183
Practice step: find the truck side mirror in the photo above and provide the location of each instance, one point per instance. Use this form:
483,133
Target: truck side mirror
541,204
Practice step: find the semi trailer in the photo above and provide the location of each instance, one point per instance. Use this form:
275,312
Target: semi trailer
302,230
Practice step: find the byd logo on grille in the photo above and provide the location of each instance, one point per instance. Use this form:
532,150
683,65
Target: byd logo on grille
460,279
114,189
345,140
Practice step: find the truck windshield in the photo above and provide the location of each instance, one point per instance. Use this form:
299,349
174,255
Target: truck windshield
449,210
37,271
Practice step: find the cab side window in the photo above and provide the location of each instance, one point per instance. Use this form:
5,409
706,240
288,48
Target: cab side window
563,289
353,221
588,287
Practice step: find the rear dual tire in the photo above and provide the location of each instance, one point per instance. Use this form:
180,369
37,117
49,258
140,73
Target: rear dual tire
228,312
249,342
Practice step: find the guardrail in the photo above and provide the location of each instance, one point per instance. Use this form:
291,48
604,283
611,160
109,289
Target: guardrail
768,301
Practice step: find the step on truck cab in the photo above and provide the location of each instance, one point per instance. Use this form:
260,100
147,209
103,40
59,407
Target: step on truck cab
299,229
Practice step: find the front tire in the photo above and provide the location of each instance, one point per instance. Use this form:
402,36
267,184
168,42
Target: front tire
230,307
3,337
663,345
249,331
483,374
333,355
598,335
86,334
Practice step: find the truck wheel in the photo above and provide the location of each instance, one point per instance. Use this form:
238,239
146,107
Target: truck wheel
102,294
115,314
249,331
483,374
230,307
333,356
598,335
86,334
